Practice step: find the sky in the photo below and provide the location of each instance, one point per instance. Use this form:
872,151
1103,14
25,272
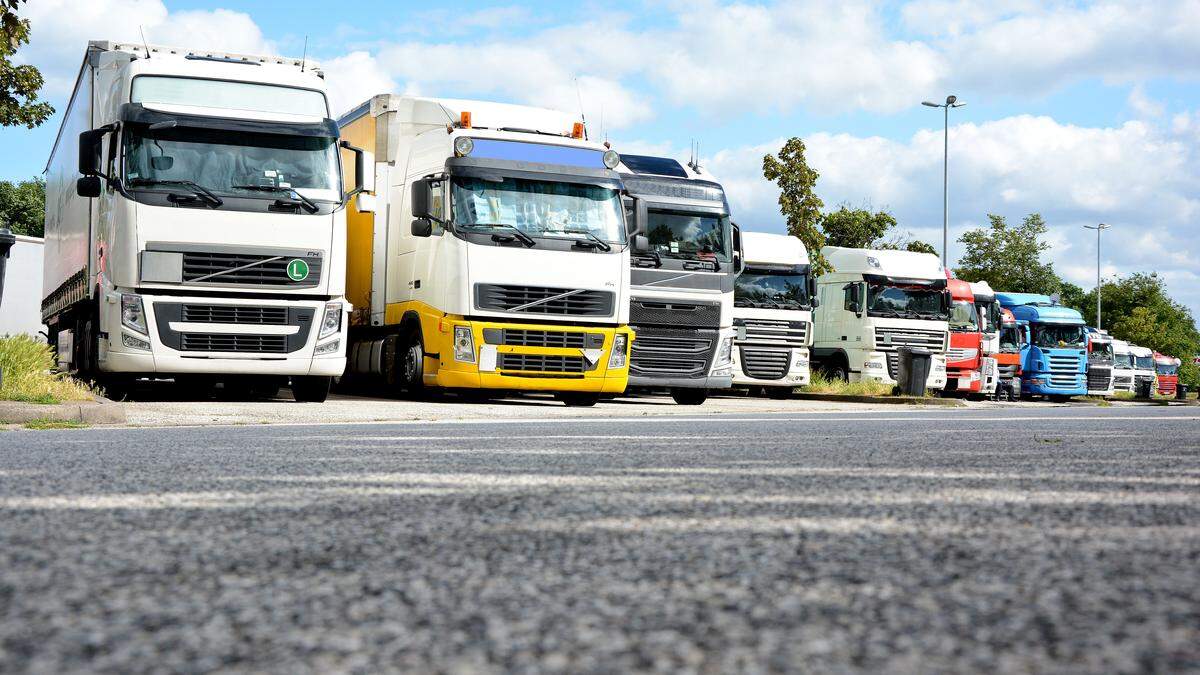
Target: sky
1085,112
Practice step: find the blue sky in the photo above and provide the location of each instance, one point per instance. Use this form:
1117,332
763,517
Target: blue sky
1085,112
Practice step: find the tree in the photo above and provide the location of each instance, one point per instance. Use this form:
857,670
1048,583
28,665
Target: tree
798,202
918,246
23,206
1073,296
19,85
862,228
1009,258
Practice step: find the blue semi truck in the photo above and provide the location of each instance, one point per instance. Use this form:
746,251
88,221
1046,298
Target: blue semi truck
1054,360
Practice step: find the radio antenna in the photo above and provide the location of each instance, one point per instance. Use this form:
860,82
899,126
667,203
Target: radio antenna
582,115
144,43
304,55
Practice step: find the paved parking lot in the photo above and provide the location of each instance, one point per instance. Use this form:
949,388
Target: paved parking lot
1004,540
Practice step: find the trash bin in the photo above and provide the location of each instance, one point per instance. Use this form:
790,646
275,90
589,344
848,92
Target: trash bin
912,370
6,243
1145,388
1181,392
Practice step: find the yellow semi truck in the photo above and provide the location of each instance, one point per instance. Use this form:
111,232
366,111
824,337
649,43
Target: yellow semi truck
494,255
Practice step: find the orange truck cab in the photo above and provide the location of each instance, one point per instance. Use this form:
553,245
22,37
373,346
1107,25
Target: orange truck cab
963,372
1013,337
1167,370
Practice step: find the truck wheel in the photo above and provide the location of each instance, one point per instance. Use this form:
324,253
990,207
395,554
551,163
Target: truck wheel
411,368
578,399
311,388
839,373
780,393
689,396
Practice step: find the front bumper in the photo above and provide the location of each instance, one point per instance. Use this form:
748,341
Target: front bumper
964,377
1042,384
875,367
798,371
224,343
681,358
500,363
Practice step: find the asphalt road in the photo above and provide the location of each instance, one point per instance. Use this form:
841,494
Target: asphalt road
1063,539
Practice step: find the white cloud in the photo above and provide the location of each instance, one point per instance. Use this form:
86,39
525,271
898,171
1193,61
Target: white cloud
354,78
1142,105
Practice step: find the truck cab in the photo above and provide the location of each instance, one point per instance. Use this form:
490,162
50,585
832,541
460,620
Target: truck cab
1144,373
989,311
772,314
1055,360
686,255
963,366
872,303
1167,370
1101,363
1013,342
1123,366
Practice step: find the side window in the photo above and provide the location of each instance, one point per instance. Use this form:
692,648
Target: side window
850,297
438,203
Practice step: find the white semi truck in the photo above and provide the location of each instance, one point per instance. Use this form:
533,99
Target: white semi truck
1123,367
685,259
772,314
874,302
497,257
195,221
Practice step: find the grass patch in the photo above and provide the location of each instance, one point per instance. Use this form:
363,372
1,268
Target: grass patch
1098,400
27,365
44,424
820,384
1124,395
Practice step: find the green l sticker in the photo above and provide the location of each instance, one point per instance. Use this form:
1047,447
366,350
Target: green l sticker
297,270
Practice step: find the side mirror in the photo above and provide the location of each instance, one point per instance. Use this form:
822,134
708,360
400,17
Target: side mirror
641,243
812,291
737,249
421,198
641,216
89,151
364,169
365,203
422,227
88,186
737,263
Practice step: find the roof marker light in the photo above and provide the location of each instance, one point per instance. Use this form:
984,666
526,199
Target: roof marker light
577,130
464,119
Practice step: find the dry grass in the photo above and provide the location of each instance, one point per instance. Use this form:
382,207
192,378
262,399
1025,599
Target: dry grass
820,384
27,364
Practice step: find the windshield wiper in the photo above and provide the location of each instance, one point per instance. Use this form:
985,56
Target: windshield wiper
651,255
309,205
516,231
600,243
196,189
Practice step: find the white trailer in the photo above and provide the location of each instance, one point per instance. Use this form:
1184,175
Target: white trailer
20,311
772,314
874,302
195,221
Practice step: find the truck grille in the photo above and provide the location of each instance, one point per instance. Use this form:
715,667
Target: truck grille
960,353
765,364
1143,378
247,269
1063,364
645,312
227,342
263,316
672,353
888,339
543,300
1064,381
542,363
1098,379
787,334
1007,371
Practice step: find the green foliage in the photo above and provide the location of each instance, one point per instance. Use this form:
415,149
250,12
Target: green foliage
862,228
1073,296
798,202
23,206
820,384
26,364
43,424
19,85
1009,258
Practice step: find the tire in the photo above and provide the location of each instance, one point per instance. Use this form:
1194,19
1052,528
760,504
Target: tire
311,388
578,399
839,371
689,396
780,393
410,366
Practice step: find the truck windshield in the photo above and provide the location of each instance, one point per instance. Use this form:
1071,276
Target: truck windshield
690,236
243,164
772,290
538,208
1164,369
1144,363
1123,361
1102,352
1010,339
963,317
905,302
1051,336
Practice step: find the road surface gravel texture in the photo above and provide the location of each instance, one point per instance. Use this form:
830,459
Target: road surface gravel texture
1055,540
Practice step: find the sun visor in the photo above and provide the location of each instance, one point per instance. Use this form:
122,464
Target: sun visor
137,113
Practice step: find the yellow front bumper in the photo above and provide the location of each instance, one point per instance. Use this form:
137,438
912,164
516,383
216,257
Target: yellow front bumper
443,369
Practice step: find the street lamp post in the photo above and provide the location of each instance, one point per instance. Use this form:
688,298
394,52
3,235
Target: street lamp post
951,102
1098,228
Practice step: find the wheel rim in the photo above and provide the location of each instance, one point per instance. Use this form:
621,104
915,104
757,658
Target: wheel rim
410,363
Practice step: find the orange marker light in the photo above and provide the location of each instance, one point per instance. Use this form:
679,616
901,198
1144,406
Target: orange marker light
464,119
577,130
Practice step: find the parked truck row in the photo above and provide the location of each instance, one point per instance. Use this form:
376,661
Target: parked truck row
209,220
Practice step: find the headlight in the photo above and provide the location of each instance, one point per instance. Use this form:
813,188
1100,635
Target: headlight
132,314
611,159
464,344
330,347
620,345
725,353
463,146
332,321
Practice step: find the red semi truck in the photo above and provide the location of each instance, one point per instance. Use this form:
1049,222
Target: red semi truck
966,336
1167,370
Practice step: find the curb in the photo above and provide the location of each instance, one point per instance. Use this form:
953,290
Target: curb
100,411
893,400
